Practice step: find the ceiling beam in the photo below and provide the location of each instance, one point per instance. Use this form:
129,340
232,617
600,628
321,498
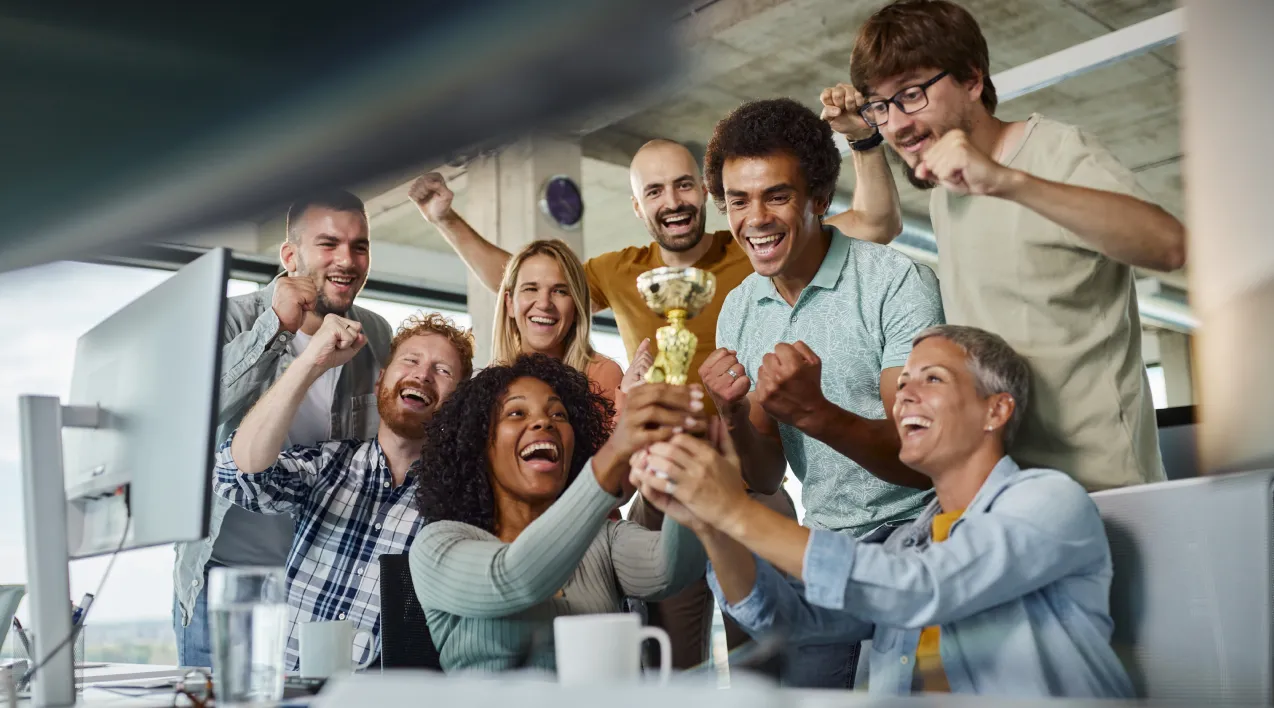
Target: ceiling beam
1087,56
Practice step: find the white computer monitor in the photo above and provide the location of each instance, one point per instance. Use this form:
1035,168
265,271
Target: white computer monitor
152,369
125,462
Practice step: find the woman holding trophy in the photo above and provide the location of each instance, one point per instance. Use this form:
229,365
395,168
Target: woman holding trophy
519,474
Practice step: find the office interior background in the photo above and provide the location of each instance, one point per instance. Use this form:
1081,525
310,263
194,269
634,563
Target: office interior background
736,51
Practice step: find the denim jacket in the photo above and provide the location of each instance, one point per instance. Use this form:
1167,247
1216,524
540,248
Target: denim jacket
1021,589
254,354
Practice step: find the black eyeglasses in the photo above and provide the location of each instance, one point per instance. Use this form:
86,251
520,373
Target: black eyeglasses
908,100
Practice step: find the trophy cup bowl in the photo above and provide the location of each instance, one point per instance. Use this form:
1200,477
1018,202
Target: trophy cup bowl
667,289
677,294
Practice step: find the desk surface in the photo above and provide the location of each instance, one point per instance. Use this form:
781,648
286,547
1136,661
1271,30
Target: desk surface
119,686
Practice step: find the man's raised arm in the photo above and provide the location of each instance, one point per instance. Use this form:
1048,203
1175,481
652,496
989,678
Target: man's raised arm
263,431
433,198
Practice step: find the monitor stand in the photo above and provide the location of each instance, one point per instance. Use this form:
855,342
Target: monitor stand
41,419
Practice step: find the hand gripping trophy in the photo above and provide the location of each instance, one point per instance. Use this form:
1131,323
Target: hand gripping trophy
678,294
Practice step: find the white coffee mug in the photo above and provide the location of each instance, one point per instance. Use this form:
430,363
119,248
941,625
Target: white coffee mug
327,648
593,649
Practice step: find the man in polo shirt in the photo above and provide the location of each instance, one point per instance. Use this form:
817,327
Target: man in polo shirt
668,196
1039,228
823,328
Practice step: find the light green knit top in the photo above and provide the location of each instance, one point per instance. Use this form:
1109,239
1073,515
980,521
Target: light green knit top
490,604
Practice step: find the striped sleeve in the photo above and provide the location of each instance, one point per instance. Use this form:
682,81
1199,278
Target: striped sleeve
283,487
652,565
462,570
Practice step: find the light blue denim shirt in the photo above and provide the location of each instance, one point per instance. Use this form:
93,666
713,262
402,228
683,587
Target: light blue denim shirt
1021,588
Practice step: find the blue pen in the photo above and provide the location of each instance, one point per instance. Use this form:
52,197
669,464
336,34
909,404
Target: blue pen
82,610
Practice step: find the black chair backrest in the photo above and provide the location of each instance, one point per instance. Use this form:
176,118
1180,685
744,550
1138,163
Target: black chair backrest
405,642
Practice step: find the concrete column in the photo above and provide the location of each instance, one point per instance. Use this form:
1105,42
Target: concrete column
503,204
1175,358
1227,53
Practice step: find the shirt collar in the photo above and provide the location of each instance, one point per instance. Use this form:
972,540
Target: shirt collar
994,484
829,272
920,530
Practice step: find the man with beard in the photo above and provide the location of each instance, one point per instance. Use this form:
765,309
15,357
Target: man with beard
668,196
326,255
1039,228
352,500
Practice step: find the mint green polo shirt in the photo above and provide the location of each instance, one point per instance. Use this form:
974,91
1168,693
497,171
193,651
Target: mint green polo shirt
859,315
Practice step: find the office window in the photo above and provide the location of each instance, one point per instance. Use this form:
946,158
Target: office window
1158,386
49,307
395,312
611,345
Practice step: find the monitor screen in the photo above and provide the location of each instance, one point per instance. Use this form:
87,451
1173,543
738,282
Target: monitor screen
152,372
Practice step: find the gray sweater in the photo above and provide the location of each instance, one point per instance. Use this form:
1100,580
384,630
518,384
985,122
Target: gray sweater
490,604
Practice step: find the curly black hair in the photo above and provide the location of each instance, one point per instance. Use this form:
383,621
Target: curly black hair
454,471
760,128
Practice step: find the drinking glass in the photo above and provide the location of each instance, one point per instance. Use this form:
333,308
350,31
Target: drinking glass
247,612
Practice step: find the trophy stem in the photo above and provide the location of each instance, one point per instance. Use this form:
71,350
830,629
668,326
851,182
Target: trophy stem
676,346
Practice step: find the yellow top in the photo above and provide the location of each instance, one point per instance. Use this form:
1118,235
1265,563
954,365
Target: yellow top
612,282
929,674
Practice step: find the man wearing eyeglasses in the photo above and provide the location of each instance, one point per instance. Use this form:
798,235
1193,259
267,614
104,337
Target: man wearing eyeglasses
1039,228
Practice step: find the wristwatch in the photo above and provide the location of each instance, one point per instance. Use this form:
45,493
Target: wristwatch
866,143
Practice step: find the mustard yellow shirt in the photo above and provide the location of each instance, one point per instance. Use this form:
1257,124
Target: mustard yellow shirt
929,675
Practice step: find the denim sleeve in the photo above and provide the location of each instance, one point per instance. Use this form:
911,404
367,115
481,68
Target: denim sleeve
282,488
776,607
249,358
1035,533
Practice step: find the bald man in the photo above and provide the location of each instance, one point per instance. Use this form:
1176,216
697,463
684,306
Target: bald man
669,196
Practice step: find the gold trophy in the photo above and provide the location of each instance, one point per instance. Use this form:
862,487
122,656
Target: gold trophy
678,294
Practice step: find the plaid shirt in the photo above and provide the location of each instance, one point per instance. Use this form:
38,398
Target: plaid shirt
348,512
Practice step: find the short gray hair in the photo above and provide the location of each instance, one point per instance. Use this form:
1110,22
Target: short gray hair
995,366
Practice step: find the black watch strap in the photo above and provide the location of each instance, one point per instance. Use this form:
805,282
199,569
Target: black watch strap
867,143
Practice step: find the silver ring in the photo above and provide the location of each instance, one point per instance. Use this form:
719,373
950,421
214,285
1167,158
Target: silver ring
733,375
670,487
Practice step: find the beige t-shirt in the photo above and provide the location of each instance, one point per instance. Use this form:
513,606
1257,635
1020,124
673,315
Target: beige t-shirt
1071,311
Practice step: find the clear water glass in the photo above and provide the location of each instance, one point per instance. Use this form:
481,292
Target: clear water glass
247,612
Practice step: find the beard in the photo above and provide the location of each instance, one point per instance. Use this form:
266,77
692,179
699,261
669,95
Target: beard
910,173
677,244
964,123
408,424
323,305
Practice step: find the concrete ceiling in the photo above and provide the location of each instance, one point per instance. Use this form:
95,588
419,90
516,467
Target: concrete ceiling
738,50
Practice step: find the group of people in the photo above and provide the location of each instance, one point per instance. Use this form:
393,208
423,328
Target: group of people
946,429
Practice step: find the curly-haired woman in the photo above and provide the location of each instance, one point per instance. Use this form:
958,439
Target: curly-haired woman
522,470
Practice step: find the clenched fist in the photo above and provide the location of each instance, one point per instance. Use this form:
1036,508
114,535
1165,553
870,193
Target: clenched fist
840,109
294,296
336,342
432,197
727,382
958,165
789,384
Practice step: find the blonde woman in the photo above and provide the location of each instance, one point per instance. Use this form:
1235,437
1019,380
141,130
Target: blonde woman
544,308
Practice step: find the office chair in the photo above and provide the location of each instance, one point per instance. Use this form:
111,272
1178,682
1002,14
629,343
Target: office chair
405,642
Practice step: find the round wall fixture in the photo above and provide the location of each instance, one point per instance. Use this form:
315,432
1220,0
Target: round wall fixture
561,201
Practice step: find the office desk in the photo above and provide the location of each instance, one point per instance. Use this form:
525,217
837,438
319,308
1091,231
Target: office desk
406,688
